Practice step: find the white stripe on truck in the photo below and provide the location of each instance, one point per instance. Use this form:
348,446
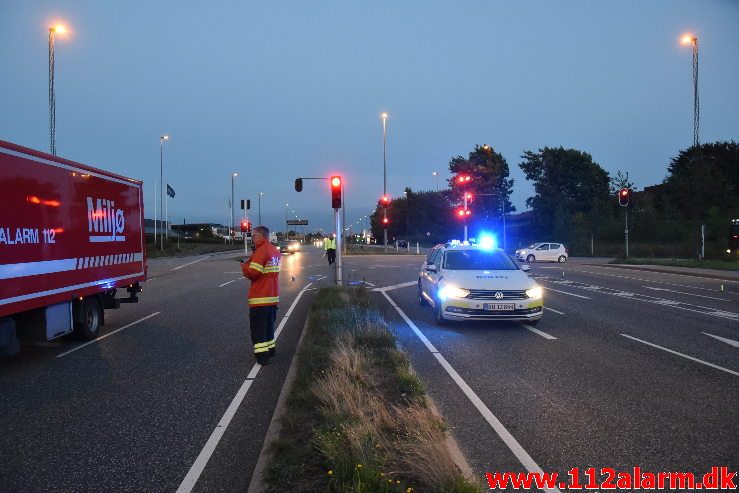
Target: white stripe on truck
30,296
10,271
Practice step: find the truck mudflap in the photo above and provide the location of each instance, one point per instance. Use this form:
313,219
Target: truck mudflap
9,343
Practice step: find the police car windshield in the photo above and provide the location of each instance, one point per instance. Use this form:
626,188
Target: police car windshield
478,260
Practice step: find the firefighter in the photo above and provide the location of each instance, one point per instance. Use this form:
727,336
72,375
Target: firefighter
264,293
329,244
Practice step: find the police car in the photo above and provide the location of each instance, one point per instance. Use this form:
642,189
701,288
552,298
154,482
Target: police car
478,282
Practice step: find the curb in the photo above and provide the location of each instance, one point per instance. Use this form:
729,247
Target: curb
645,268
256,485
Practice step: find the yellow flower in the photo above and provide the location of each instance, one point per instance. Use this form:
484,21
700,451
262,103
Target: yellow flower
330,473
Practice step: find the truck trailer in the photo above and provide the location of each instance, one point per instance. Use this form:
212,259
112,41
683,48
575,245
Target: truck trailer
71,237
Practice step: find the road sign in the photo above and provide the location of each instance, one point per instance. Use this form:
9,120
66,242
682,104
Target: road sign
297,222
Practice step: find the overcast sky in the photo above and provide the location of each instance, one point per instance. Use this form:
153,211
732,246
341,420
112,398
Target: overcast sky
278,89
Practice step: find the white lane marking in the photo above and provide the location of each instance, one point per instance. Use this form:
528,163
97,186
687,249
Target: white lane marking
683,355
198,466
651,281
565,292
688,294
396,286
190,263
106,335
152,279
229,282
541,333
553,310
501,430
730,342
234,272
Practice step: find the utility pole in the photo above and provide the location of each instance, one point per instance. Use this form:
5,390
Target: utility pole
384,174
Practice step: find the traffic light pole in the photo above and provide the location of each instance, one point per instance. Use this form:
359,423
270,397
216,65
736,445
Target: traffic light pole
626,232
337,224
465,215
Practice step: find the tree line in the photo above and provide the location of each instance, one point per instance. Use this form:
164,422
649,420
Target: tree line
575,203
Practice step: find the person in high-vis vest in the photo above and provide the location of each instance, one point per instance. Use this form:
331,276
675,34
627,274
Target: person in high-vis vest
263,269
329,244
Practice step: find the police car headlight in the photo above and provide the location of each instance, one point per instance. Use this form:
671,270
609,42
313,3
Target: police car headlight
535,293
454,292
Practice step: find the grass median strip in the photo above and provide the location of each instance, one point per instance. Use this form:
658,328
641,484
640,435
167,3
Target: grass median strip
357,418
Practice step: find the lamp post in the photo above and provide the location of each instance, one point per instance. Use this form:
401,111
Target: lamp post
260,208
437,180
690,39
384,173
286,205
231,232
52,95
161,188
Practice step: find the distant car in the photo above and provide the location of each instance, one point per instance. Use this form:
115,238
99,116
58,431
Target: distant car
402,244
543,252
289,246
475,282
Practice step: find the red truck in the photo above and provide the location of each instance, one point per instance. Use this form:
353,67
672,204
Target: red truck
71,236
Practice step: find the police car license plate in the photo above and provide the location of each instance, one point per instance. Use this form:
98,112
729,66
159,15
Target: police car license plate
497,307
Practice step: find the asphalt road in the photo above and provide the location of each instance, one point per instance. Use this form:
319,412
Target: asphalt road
135,410
620,373
598,383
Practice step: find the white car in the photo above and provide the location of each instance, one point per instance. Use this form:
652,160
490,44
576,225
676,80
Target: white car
543,252
472,282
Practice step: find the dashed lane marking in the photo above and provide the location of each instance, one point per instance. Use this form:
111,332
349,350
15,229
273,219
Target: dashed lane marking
553,310
106,335
730,342
683,355
688,294
190,263
540,332
651,281
565,292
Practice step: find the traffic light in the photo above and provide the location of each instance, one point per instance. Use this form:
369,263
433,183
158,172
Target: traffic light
298,184
245,203
463,179
462,213
624,195
385,222
468,196
384,201
245,226
336,192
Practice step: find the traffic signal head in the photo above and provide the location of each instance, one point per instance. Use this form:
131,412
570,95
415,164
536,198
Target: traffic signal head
385,222
336,192
248,204
468,196
298,184
245,226
463,179
624,195
462,213
384,201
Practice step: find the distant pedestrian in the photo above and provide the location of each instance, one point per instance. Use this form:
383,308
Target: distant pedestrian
329,244
263,269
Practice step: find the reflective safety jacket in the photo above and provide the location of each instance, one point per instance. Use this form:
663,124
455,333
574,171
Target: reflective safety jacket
262,269
329,244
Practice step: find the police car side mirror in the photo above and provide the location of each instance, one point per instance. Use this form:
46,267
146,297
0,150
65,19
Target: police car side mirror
525,268
431,268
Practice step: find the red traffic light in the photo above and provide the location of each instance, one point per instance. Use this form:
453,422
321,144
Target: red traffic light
245,226
624,196
384,201
463,213
462,179
468,196
336,192
385,221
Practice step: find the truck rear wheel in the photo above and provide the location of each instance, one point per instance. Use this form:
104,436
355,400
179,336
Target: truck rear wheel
91,318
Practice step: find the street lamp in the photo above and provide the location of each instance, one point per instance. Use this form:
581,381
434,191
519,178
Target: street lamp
286,205
437,180
690,39
260,207
161,190
52,96
384,171
231,233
